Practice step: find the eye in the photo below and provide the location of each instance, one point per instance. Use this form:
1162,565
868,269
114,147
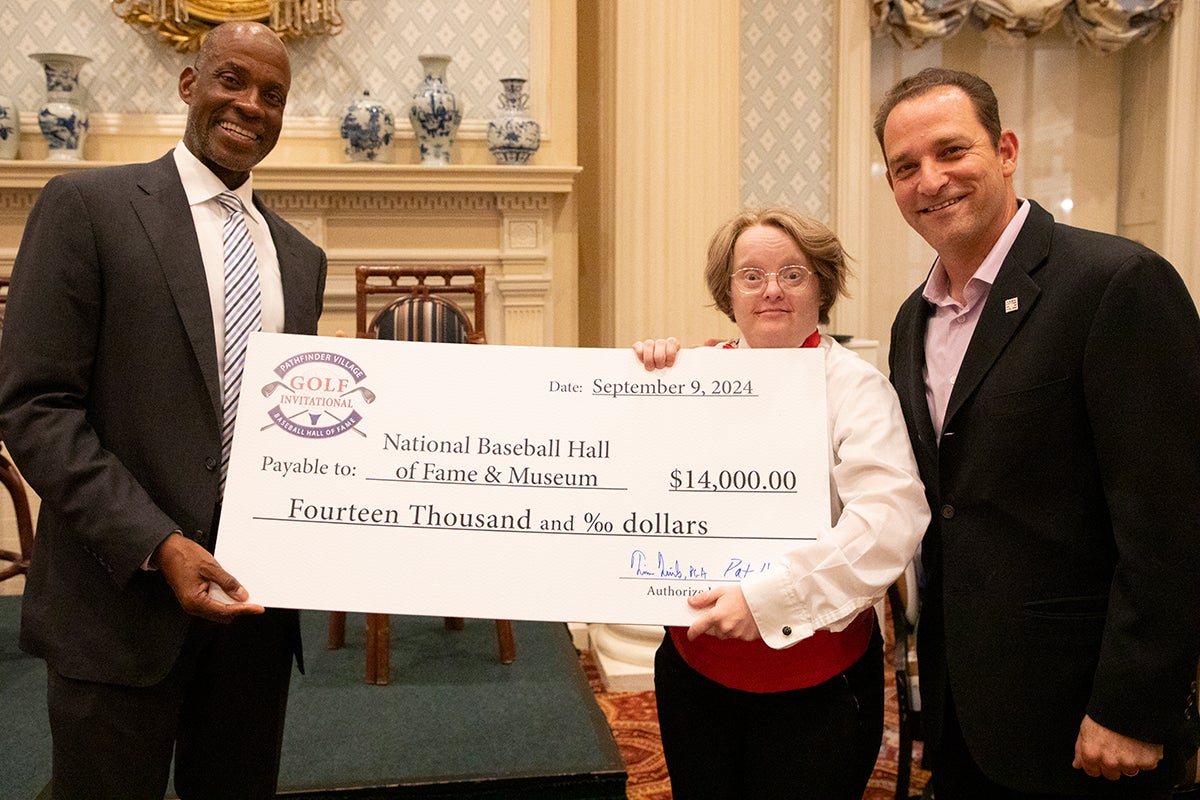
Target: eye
792,274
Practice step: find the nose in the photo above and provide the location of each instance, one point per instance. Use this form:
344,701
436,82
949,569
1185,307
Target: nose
250,102
931,178
771,286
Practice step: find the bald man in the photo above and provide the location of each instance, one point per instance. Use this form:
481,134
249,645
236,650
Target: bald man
112,403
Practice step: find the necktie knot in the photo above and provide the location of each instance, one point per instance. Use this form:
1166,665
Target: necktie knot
230,202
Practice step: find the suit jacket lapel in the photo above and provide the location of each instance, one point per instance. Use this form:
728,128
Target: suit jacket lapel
911,386
1010,300
291,268
167,222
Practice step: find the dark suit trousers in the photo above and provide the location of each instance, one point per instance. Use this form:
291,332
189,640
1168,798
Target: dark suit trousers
220,712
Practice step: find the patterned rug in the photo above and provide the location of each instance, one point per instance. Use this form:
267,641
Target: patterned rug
633,718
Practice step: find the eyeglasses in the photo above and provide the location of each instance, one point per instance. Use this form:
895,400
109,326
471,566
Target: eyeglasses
752,280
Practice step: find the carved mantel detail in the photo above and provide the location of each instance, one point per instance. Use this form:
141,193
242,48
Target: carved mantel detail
502,217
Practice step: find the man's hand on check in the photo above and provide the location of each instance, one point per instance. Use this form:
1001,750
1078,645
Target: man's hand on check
199,581
656,353
726,615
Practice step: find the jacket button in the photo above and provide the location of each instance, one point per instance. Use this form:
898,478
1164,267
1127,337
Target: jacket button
947,511
787,630
210,463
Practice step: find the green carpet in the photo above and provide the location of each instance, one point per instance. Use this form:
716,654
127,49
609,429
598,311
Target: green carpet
453,722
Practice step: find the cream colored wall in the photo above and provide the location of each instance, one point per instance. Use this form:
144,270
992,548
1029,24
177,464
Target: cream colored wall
665,171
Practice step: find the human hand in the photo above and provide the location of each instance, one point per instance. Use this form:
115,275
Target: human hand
1102,751
726,615
656,353
199,581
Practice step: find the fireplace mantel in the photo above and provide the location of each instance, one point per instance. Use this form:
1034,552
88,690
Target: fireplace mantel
500,216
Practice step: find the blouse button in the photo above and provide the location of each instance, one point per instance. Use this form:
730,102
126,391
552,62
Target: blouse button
787,630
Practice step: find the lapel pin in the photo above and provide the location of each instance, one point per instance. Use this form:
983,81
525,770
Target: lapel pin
1010,305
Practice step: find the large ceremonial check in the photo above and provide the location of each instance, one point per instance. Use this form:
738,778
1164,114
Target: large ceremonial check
518,482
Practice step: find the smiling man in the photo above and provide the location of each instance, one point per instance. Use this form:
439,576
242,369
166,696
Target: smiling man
1049,378
132,294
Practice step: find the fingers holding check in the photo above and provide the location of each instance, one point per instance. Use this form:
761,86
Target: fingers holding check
1102,751
201,585
656,353
725,614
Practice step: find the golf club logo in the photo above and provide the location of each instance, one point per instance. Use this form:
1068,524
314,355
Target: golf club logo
318,395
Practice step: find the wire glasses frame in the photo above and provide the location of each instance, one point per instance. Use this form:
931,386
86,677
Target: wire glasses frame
752,280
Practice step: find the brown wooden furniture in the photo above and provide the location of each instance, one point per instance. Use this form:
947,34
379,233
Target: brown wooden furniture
904,605
19,561
416,304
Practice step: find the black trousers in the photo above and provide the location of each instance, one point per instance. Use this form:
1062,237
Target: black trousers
726,744
219,712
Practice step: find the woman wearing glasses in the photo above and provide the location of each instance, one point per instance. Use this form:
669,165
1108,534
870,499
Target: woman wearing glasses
776,689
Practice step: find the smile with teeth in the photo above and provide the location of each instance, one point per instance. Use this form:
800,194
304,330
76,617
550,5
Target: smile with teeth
237,130
940,206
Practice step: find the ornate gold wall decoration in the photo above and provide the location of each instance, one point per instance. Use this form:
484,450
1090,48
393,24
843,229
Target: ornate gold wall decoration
183,23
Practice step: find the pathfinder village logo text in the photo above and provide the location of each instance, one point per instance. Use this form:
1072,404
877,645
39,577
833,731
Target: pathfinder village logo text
318,395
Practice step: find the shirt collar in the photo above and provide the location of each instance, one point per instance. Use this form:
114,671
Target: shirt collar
937,287
201,185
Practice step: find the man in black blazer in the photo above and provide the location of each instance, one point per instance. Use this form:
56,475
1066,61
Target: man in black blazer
111,403
1050,381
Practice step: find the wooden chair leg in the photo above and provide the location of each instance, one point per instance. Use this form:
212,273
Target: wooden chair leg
504,636
379,648
337,630
20,499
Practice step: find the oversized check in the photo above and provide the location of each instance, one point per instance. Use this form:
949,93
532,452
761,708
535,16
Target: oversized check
518,482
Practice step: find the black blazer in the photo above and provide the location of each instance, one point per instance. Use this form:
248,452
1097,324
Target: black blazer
110,401
1062,558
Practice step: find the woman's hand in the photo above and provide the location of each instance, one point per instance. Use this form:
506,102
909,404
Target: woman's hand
656,353
726,615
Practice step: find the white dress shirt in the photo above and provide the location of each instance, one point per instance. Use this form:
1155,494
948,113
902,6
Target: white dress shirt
202,188
879,513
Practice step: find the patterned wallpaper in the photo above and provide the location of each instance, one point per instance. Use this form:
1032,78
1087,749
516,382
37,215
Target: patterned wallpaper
787,72
132,72
787,104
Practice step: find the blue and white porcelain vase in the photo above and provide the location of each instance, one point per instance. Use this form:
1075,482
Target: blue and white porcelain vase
435,114
63,118
512,136
10,129
369,130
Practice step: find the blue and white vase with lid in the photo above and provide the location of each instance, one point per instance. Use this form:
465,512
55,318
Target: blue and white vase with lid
512,136
435,114
63,118
369,130
10,129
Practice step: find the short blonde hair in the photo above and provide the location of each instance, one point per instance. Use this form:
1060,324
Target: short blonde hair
817,242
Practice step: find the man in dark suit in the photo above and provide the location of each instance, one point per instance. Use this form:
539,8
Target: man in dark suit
111,401
1050,381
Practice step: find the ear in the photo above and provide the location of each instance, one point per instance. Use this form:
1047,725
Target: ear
1007,149
186,79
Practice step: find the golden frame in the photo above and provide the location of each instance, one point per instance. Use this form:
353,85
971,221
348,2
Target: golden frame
183,23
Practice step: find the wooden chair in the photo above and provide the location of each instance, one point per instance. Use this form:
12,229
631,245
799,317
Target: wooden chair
416,304
18,561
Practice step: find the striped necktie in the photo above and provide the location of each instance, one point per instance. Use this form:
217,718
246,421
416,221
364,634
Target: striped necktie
243,312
